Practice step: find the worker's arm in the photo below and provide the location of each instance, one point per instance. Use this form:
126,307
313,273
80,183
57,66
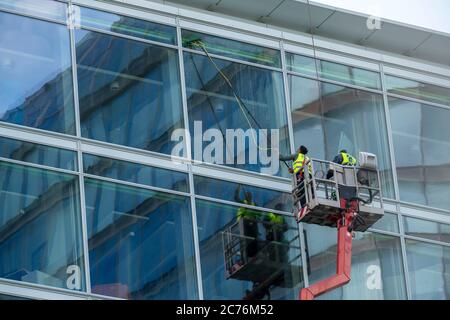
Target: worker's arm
338,159
290,157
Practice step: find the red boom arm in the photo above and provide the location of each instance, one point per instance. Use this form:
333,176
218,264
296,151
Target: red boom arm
344,258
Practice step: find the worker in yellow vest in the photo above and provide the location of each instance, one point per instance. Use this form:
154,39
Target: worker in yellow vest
299,160
343,158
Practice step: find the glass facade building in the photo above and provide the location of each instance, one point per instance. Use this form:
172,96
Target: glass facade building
93,205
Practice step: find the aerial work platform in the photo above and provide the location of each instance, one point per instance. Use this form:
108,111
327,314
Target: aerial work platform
350,200
258,251
317,200
344,197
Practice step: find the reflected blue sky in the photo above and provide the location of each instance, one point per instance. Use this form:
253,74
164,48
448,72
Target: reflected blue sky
431,14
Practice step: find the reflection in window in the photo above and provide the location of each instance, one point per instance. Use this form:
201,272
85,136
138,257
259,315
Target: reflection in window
421,136
377,267
129,91
232,191
333,71
389,222
35,74
44,8
140,243
38,153
418,90
134,172
212,104
428,270
249,258
427,229
127,25
40,227
328,118
232,49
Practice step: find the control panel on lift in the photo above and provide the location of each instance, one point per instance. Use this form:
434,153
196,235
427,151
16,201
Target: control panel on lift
318,199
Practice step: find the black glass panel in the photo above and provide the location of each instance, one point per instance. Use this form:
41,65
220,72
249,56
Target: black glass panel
127,25
232,191
40,227
247,135
428,270
377,265
38,153
232,48
140,243
328,118
134,172
129,91
44,8
35,74
249,259
421,135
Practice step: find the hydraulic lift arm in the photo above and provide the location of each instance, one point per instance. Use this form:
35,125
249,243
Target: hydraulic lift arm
344,257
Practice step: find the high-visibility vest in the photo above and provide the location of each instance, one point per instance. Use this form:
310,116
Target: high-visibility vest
247,213
299,162
275,218
347,159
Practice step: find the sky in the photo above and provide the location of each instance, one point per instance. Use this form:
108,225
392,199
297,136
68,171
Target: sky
431,14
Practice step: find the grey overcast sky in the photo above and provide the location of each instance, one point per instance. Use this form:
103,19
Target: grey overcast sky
432,14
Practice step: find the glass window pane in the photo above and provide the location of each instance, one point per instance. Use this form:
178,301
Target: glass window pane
301,64
44,8
127,25
333,71
418,90
38,153
328,118
35,74
427,229
377,266
421,136
232,191
232,49
140,243
268,265
212,105
134,172
129,91
428,266
40,227
9,297
389,222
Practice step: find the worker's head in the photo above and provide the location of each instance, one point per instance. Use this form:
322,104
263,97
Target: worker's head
343,151
248,196
303,150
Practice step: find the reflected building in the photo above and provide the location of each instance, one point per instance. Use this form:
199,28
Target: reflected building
92,204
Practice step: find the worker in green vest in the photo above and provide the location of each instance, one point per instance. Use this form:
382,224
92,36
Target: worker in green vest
342,158
276,228
248,200
249,218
